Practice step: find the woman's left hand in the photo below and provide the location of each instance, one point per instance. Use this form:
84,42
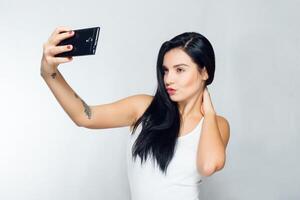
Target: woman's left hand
207,106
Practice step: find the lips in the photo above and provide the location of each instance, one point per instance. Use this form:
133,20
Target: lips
169,88
171,91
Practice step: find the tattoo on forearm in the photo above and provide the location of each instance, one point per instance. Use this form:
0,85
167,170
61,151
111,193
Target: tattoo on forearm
53,75
43,74
87,109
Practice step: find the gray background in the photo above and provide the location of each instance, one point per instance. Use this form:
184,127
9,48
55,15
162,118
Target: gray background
44,155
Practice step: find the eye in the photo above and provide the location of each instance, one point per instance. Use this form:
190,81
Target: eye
180,70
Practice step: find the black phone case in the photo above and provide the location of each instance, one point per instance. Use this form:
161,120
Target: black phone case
84,42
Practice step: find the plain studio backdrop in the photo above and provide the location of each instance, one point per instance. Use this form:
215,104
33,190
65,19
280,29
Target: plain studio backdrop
44,155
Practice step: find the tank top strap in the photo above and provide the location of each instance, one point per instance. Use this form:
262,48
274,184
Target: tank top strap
194,133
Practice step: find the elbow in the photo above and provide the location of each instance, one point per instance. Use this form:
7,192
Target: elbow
84,124
78,123
220,165
81,122
209,169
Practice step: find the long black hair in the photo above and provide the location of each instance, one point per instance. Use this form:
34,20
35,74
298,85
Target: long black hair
161,120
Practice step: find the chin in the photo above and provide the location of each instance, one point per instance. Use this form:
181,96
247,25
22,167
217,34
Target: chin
175,98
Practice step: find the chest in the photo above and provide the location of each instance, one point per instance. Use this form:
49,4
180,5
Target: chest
188,127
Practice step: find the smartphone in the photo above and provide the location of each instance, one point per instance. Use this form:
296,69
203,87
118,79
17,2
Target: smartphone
84,42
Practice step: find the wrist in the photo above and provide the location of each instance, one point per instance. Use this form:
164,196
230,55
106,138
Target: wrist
46,74
210,113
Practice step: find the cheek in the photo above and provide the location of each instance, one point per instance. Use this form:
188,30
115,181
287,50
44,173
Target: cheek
188,81
190,85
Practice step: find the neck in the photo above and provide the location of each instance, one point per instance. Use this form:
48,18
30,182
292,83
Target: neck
191,107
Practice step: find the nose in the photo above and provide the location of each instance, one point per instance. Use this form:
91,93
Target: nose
169,79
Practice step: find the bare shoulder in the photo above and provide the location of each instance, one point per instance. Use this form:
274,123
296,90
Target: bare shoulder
222,120
142,101
224,128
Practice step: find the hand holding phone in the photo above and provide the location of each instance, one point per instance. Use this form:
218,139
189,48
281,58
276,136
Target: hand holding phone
55,52
84,42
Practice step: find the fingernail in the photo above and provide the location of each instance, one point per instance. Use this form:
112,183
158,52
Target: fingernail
70,32
69,46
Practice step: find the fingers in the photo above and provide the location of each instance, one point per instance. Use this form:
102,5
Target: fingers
50,48
57,60
60,29
59,34
201,109
53,50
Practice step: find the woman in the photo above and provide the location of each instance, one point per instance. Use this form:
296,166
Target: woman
181,138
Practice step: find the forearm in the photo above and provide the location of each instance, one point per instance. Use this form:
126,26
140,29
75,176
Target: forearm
211,149
72,104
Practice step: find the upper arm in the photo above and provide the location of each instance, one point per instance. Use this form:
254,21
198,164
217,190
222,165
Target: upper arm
224,129
123,112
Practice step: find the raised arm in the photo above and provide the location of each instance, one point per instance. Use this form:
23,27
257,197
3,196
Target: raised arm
120,113
73,105
123,112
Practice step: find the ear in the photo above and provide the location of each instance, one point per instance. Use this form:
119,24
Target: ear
204,73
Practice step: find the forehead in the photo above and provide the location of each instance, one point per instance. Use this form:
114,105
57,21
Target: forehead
177,56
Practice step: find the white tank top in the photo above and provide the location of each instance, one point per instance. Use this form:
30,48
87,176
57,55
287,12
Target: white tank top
182,180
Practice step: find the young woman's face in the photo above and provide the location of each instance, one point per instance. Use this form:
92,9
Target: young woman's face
181,74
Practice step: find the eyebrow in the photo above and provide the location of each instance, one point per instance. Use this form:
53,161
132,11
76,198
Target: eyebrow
181,64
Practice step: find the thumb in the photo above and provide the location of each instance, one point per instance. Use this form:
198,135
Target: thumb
201,109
